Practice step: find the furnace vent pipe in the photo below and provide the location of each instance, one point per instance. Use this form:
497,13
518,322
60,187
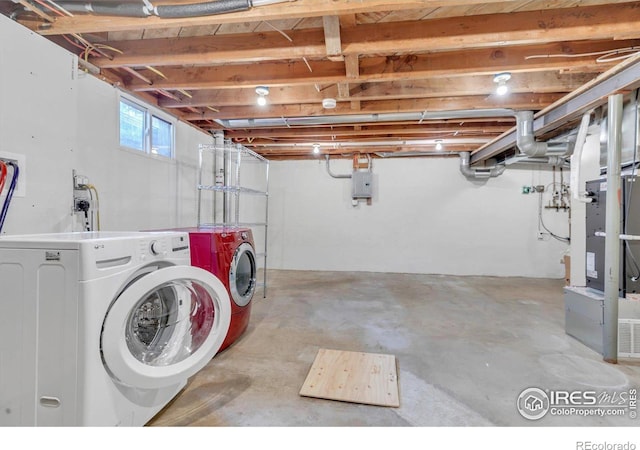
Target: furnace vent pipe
333,174
525,140
202,9
478,173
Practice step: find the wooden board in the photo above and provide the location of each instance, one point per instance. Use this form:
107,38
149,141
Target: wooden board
356,377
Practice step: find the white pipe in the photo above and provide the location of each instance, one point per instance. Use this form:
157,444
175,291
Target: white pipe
622,237
576,159
612,227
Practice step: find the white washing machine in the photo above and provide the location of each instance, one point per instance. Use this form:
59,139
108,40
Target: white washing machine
100,328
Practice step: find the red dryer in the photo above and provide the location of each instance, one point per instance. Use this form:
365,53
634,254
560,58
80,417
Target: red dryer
228,252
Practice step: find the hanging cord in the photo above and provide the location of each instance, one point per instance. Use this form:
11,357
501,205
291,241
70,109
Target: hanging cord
12,187
3,175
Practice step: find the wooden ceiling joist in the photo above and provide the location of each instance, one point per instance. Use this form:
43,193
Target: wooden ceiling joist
491,31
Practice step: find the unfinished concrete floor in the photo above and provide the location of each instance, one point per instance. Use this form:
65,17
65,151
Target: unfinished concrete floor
466,347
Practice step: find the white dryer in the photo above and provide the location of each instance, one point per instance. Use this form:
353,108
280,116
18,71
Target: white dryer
100,328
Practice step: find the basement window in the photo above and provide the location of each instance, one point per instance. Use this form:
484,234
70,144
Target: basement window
145,131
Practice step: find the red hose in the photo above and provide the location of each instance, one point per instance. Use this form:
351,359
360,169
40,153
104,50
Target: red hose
3,175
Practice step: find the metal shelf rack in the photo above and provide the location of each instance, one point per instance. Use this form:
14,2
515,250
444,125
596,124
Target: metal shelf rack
231,172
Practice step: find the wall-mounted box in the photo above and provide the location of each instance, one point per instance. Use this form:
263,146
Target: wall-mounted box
362,184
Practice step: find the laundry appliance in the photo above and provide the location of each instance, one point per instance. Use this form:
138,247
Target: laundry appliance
228,252
102,328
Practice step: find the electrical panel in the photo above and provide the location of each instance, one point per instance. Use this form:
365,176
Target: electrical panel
362,184
629,224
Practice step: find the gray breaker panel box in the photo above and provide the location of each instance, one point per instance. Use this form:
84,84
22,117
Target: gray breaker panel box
362,184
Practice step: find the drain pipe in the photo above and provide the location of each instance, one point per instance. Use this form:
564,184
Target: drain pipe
146,9
478,173
333,174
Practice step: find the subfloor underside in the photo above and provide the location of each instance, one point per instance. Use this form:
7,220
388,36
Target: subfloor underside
466,347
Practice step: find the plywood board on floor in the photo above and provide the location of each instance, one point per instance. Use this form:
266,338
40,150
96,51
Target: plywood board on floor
368,378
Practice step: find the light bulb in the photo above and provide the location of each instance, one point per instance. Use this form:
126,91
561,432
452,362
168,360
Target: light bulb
502,89
262,100
316,149
438,145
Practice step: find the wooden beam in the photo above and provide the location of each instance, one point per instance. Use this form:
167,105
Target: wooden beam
543,82
406,67
494,30
290,10
457,33
352,66
331,26
218,49
515,101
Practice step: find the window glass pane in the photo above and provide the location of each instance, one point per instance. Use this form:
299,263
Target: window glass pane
161,137
132,121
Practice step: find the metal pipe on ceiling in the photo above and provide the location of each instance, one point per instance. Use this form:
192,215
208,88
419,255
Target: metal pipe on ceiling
384,143
364,118
478,173
146,9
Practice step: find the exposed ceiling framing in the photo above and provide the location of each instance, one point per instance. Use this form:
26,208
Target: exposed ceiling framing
373,57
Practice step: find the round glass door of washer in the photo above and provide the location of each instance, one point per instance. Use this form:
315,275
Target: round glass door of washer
165,327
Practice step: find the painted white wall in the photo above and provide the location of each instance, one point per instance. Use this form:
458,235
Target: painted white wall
38,121
425,218
62,120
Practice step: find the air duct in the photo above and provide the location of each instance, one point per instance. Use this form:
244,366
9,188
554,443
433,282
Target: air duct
202,9
478,173
146,9
525,140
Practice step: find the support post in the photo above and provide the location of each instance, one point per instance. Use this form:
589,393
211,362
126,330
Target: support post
612,224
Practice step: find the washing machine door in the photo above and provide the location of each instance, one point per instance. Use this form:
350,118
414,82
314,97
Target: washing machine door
165,326
242,274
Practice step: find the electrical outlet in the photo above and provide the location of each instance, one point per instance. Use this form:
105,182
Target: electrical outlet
79,181
21,161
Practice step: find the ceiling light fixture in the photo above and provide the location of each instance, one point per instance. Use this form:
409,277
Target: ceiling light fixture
329,103
501,80
438,144
316,149
262,92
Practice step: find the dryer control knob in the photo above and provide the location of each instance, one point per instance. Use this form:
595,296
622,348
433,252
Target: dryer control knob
155,248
